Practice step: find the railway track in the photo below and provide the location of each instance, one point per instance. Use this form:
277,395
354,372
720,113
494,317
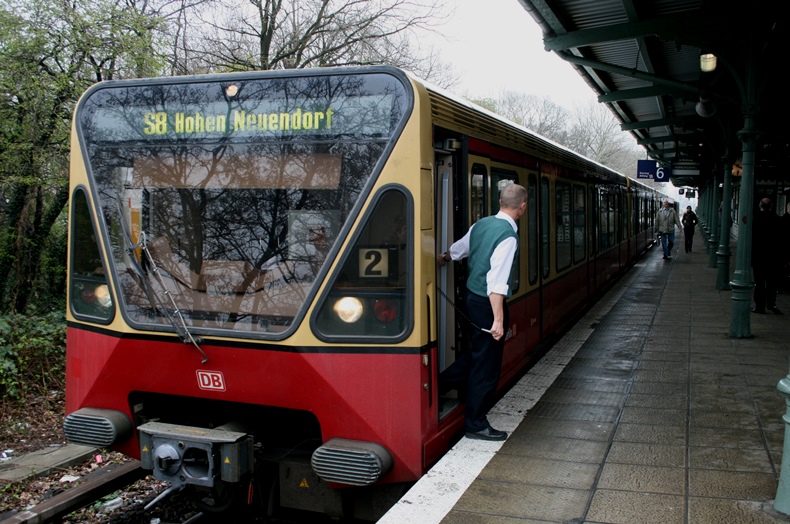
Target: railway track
105,481
117,477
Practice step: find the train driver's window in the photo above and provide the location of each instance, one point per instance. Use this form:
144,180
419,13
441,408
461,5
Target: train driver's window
369,295
90,293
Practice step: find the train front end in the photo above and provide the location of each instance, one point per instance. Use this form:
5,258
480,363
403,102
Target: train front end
242,285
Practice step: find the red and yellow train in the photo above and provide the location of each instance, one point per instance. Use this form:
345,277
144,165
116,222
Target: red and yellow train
254,298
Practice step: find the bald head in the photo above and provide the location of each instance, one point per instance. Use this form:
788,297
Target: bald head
512,196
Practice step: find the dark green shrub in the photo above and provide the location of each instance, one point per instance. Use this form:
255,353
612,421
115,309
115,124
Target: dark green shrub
32,354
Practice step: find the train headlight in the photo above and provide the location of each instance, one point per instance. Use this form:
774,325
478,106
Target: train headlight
349,309
103,297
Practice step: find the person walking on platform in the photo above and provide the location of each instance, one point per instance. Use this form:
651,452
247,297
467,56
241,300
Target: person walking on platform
689,221
766,261
666,220
491,245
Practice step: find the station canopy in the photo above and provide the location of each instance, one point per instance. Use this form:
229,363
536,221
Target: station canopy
684,77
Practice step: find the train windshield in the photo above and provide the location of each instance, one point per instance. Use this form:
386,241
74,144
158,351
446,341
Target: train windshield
223,200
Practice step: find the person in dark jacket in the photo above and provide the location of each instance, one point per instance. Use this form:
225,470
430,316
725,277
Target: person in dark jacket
689,221
766,258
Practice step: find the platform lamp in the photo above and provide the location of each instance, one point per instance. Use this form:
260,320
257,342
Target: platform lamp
707,62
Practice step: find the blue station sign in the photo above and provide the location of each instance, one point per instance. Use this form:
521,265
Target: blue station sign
652,170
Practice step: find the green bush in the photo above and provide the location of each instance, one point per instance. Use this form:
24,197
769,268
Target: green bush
32,353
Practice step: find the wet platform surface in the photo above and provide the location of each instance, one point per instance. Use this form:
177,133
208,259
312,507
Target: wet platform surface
656,415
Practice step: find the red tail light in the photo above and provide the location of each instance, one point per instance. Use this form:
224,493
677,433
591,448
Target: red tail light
385,310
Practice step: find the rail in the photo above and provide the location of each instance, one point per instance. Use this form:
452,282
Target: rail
106,481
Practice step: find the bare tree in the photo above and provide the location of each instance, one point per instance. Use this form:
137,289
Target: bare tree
589,129
595,133
290,34
539,114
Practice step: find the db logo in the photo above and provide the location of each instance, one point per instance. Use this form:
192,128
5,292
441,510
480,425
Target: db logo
211,380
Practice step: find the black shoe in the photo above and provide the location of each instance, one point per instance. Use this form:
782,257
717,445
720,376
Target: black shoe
760,311
665,257
775,310
488,434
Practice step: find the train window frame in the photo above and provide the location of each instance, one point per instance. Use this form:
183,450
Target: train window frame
545,227
563,244
579,230
321,322
82,287
478,193
593,231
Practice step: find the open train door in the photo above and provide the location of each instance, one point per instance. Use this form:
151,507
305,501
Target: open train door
447,162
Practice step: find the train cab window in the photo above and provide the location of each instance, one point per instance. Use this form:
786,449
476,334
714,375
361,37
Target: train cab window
579,234
545,231
90,295
499,180
562,226
369,296
532,229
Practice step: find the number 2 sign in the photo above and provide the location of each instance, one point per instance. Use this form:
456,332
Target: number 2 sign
373,263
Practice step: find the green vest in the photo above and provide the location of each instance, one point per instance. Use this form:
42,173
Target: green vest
486,235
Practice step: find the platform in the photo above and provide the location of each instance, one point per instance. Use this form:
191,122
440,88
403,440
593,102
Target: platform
645,412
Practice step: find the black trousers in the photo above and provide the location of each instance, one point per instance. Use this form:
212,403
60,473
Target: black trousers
688,236
477,369
766,282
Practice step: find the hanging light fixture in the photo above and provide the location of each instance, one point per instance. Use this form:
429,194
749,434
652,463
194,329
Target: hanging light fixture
707,62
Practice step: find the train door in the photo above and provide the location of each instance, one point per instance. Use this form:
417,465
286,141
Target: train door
445,163
460,201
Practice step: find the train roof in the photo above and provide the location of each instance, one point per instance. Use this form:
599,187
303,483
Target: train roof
458,113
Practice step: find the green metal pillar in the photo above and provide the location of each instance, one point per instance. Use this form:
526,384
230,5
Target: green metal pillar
724,253
782,500
742,284
713,243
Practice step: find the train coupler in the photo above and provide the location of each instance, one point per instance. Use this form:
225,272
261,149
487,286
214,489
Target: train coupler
192,455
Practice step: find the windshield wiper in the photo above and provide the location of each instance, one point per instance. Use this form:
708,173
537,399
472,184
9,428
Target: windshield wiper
175,318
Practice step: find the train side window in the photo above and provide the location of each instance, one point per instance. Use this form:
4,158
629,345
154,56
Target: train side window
545,227
90,295
477,193
622,223
579,233
499,180
369,296
593,232
562,210
607,220
532,228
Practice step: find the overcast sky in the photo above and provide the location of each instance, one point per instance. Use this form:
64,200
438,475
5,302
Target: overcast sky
495,46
